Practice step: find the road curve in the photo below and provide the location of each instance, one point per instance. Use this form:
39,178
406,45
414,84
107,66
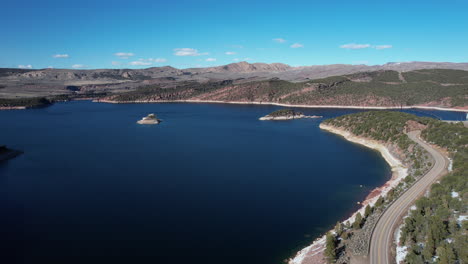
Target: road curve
381,240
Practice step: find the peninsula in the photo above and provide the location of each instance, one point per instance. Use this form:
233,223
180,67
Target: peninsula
420,151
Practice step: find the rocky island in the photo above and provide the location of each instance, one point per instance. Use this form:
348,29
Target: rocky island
286,114
149,120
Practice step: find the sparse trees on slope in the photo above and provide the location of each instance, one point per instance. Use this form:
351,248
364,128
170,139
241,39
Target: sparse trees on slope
339,228
358,221
368,211
330,249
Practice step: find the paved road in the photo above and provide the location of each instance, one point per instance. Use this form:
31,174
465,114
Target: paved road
381,241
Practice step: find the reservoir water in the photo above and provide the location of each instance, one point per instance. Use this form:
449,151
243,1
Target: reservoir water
211,184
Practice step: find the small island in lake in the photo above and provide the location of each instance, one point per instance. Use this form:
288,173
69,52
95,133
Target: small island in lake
6,153
286,114
149,120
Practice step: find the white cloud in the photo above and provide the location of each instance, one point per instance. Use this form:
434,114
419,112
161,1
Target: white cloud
237,46
296,45
236,59
188,52
355,46
140,63
29,66
78,66
58,56
210,59
279,40
247,59
229,53
365,46
116,63
380,47
124,55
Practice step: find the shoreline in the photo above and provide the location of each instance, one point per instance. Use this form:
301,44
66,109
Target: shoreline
13,107
285,105
463,109
310,254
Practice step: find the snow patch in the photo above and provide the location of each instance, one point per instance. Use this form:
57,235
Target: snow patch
462,218
401,251
312,250
455,195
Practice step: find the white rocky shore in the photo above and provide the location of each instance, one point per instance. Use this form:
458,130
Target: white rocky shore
311,254
149,120
279,104
288,117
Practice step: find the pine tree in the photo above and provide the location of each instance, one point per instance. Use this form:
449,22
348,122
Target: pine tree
357,221
338,228
368,211
330,250
446,254
348,224
429,247
379,202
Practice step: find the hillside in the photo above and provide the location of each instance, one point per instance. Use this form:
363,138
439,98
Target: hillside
444,88
15,83
436,230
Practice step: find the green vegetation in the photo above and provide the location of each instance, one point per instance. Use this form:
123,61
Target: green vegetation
434,223
285,112
437,75
387,126
179,92
26,102
330,248
380,88
358,221
433,231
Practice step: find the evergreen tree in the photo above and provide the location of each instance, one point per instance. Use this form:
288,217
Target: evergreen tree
368,211
358,221
338,228
379,202
348,224
390,194
330,249
429,247
446,254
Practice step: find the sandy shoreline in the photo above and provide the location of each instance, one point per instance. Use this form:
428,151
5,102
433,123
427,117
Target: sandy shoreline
12,107
285,105
311,254
463,109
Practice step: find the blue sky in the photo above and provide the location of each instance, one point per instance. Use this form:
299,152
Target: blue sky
182,34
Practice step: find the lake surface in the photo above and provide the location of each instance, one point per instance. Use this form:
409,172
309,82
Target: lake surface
211,184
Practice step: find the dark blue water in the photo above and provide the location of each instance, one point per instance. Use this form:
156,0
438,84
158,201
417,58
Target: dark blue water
211,184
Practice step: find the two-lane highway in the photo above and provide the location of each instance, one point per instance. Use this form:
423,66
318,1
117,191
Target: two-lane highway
381,241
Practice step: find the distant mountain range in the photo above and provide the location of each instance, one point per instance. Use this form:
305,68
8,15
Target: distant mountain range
306,80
